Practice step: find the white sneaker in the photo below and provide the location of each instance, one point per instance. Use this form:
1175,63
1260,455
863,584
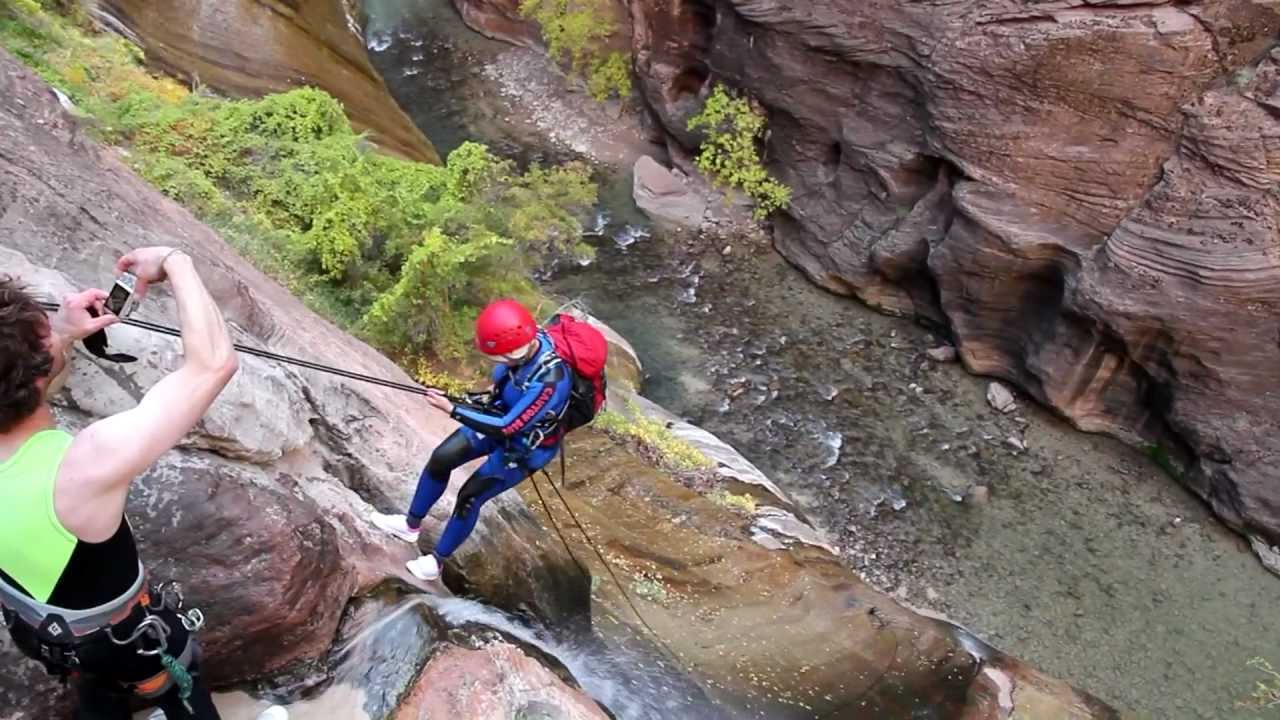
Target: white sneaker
425,568
395,525
275,712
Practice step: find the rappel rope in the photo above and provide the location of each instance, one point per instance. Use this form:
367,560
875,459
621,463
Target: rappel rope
596,549
184,680
276,357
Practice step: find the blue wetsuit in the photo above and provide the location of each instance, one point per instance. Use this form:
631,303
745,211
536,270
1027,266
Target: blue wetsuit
520,433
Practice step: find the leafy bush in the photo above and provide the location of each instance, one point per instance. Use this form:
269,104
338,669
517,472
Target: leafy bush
579,30
730,154
404,252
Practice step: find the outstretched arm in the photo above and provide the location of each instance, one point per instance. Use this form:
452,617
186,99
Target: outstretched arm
93,481
539,401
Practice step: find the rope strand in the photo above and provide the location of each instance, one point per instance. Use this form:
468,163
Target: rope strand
276,357
596,549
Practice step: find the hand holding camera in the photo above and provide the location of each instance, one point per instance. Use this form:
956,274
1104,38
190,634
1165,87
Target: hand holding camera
144,266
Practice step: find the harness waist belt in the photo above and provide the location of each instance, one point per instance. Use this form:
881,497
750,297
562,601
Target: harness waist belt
66,626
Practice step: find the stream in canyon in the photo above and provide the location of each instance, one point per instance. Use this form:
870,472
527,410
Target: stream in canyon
1071,551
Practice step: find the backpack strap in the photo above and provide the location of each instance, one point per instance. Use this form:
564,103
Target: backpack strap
545,362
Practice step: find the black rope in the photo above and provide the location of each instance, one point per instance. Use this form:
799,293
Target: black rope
596,549
276,357
556,526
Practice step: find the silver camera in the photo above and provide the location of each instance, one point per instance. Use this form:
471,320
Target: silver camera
121,301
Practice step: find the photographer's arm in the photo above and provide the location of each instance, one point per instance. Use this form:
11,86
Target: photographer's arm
93,481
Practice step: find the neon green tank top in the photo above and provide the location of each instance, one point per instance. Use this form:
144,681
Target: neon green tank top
34,547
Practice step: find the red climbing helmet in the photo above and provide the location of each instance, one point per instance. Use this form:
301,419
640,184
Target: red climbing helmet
504,327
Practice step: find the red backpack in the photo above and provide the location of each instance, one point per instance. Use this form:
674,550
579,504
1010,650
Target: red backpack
585,350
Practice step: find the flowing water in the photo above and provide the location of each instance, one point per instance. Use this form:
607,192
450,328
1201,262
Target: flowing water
1070,551
391,638
632,682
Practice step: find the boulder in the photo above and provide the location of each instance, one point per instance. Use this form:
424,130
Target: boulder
500,20
497,680
942,354
1000,399
781,628
665,198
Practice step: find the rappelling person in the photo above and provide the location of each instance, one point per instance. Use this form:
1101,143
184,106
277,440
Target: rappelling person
546,382
72,588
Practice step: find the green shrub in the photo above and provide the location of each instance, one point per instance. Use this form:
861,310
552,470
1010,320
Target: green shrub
730,154
404,252
610,76
578,30
1160,456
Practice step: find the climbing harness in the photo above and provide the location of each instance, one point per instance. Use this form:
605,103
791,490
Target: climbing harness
156,630
62,632
59,626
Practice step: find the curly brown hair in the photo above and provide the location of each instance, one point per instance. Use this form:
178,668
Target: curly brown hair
24,357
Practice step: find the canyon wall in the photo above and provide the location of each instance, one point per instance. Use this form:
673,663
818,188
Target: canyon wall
1082,193
249,48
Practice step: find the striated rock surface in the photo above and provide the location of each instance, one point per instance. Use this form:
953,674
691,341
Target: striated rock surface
254,47
260,512
1084,193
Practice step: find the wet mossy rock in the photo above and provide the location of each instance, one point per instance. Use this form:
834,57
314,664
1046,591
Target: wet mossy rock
249,48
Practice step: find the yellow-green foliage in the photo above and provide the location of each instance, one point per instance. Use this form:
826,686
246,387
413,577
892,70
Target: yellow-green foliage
430,377
654,436
27,7
730,154
404,251
1266,692
743,503
578,30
